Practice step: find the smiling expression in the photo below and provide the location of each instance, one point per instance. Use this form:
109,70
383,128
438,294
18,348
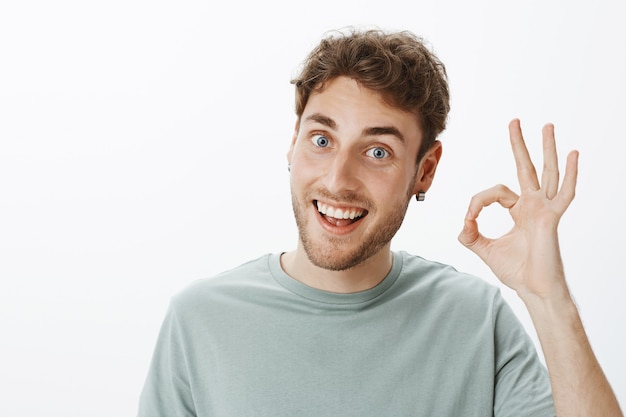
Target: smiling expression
353,172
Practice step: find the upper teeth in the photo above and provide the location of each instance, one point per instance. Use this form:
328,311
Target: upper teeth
338,213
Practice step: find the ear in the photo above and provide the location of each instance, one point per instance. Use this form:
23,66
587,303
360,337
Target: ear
425,173
293,141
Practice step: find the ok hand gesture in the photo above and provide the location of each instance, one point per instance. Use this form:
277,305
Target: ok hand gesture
527,258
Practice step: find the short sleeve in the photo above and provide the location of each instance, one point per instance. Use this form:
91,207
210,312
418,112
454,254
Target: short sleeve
166,391
522,383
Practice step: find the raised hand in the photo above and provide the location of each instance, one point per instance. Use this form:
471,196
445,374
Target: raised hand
527,258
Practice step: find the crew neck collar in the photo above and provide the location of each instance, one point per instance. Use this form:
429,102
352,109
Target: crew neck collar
328,297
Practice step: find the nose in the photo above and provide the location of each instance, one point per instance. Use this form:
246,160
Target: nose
342,173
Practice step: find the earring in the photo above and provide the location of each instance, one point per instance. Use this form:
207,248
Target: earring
420,196
289,167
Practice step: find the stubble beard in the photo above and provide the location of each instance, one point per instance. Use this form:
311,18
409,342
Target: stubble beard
340,253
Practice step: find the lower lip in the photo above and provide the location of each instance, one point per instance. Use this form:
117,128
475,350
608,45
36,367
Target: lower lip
336,230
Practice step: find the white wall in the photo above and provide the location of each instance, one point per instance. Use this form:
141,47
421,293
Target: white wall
142,146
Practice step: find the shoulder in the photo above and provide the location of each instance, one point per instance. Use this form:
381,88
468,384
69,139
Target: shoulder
219,289
443,288
442,278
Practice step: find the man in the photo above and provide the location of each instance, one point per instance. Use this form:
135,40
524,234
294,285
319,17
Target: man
343,326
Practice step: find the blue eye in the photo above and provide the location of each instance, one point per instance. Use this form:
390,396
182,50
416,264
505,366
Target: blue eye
378,153
321,141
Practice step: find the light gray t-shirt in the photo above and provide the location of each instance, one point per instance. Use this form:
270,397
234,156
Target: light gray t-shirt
427,341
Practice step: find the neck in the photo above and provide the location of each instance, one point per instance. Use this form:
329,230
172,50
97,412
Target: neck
361,277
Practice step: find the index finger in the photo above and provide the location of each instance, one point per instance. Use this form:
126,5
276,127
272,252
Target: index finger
526,173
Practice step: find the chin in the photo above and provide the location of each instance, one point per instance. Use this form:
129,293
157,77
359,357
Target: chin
338,254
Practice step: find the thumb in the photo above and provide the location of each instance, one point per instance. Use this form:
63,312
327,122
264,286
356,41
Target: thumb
472,239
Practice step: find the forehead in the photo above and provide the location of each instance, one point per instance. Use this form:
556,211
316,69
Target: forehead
346,104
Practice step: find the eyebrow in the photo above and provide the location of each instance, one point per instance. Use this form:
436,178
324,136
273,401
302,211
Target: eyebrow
384,130
368,131
321,119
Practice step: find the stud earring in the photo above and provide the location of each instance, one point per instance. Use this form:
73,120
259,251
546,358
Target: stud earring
420,196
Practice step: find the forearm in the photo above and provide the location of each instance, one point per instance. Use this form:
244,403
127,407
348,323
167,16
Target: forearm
579,386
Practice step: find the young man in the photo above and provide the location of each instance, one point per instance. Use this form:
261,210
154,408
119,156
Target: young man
343,326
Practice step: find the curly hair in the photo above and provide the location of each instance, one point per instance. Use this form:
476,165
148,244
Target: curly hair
396,64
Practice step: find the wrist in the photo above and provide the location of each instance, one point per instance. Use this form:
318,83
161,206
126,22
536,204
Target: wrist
555,318
548,302
546,290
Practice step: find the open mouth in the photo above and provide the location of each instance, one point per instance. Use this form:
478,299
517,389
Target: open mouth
339,216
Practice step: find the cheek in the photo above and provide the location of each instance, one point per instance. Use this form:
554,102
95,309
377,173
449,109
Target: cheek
306,168
299,178
393,191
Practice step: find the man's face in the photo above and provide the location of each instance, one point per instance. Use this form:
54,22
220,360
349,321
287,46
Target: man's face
353,172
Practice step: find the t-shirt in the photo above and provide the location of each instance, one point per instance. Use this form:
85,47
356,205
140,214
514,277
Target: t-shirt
426,341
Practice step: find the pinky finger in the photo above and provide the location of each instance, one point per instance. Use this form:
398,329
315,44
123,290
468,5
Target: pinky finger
568,188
